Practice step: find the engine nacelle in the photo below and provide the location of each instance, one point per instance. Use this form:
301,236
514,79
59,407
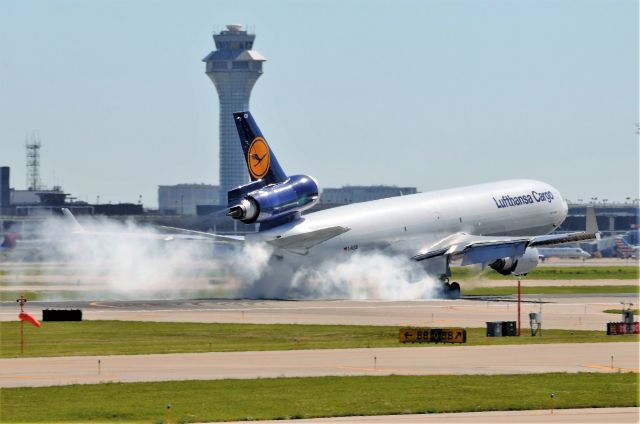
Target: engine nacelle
296,194
517,266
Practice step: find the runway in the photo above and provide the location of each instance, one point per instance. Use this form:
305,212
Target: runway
439,360
559,311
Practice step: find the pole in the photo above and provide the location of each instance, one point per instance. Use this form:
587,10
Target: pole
21,302
518,308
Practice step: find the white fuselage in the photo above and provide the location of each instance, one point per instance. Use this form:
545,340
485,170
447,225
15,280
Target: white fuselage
413,222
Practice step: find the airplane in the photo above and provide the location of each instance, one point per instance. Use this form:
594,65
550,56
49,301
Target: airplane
624,248
499,224
562,252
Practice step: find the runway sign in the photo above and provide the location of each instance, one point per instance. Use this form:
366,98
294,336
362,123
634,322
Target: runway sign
614,328
433,335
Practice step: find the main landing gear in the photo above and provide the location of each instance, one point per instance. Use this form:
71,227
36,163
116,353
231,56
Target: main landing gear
450,290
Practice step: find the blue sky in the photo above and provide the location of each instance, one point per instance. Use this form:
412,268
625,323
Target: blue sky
432,94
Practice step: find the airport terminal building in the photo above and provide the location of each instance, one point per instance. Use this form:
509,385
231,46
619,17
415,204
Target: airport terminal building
184,199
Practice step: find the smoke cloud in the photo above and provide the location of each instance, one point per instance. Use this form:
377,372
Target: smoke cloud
365,276
124,260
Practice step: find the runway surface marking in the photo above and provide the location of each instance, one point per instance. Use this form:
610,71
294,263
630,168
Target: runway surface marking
614,369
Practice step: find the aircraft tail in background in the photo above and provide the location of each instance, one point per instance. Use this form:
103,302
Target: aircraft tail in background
10,241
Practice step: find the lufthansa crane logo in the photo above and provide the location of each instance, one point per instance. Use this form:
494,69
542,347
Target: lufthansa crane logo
258,158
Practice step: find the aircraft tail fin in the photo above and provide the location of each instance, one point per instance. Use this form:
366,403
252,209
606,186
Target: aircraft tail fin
592,222
261,162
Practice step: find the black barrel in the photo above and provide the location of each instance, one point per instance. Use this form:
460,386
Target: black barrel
494,329
509,328
61,315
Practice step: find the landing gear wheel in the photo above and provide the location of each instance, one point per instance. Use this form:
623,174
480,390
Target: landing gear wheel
454,291
446,290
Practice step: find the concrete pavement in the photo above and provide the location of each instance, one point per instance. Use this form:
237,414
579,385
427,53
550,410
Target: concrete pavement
508,359
587,415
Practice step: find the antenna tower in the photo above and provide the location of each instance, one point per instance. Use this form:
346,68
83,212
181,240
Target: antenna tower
32,145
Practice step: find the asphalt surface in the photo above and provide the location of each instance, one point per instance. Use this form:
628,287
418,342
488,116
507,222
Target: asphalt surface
437,360
600,415
559,311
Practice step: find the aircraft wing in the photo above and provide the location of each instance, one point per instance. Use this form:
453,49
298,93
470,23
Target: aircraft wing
174,233
484,249
301,243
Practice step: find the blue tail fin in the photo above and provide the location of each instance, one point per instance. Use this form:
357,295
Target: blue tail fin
261,162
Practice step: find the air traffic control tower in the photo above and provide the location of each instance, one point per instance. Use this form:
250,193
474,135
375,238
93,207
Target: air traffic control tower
234,68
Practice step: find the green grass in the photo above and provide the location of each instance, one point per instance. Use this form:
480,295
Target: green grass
131,337
71,295
619,311
281,398
499,291
13,295
555,273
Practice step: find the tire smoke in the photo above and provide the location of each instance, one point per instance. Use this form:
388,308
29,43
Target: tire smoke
110,259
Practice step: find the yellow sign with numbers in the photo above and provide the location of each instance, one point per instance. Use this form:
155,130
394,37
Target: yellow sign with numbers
433,335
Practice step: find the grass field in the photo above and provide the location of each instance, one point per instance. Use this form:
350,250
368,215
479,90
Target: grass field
224,400
555,273
131,337
497,291
54,295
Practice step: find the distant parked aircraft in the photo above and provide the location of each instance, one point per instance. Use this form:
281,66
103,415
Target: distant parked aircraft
562,252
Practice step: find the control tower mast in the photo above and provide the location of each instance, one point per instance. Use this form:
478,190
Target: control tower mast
32,145
234,68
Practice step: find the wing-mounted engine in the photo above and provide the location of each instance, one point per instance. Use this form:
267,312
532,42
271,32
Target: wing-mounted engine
517,266
259,202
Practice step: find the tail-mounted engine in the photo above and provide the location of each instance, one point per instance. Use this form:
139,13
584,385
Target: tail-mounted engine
517,266
258,202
